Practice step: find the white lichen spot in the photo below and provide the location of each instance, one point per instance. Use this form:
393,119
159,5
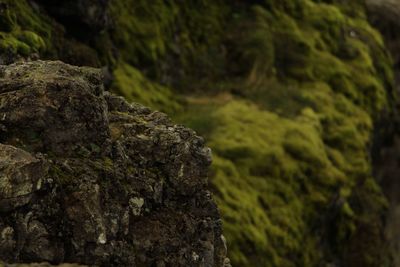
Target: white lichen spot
223,239
195,257
7,233
102,238
187,147
180,174
39,184
142,137
136,205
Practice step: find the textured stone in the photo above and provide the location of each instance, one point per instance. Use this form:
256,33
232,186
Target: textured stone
20,176
52,106
97,181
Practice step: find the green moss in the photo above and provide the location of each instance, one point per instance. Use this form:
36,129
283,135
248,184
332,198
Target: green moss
134,86
240,202
299,154
34,41
146,24
200,117
24,30
259,182
293,152
23,43
174,41
254,53
61,177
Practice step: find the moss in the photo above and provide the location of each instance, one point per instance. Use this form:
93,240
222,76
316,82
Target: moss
146,24
240,202
271,204
67,178
134,86
176,34
24,30
295,154
199,117
23,43
34,41
291,148
61,177
254,53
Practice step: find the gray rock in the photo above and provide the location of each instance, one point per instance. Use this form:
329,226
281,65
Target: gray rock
87,178
21,175
53,107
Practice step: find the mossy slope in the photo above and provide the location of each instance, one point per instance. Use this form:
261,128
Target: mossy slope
288,107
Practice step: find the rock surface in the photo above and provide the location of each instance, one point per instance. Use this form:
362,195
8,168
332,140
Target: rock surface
87,178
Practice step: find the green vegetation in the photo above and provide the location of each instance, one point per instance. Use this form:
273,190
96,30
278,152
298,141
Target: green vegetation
131,83
288,109
146,33
23,30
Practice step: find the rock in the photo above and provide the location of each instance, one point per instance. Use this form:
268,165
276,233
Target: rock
87,178
52,107
21,176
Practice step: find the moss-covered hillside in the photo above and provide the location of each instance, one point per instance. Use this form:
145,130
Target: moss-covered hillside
286,93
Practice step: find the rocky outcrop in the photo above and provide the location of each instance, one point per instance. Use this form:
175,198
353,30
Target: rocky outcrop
87,178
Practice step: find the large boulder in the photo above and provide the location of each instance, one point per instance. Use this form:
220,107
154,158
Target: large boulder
87,178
